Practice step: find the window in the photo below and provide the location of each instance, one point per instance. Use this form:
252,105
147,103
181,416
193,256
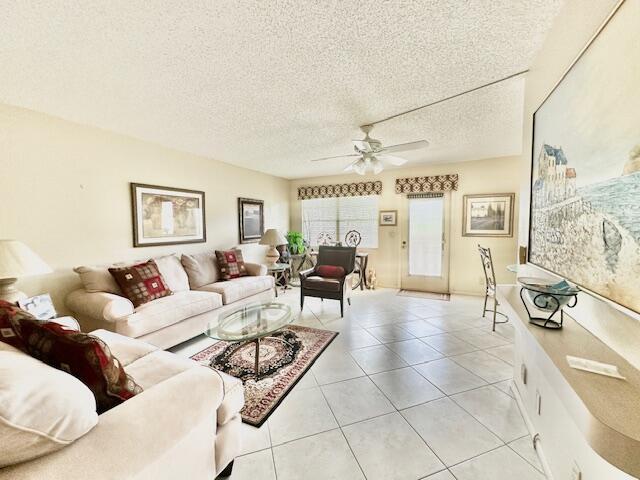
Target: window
337,215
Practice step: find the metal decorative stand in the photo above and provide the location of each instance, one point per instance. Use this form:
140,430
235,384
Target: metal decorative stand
549,299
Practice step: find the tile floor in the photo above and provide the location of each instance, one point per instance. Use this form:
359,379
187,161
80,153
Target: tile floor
411,389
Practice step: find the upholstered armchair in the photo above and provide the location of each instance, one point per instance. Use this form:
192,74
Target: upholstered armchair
331,276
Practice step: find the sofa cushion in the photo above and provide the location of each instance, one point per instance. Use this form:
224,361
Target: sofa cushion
239,288
201,269
41,409
97,279
231,263
323,284
166,311
141,282
330,271
125,349
158,366
79,354
173,273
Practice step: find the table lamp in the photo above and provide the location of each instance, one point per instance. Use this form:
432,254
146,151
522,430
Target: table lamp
273,238
17,260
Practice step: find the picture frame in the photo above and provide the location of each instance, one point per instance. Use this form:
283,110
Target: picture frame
488,215
250,219
388,218
167,215
40,306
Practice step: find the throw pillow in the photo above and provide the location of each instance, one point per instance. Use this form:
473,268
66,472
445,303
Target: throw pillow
140,283
84,356
231,264
8,334
330,271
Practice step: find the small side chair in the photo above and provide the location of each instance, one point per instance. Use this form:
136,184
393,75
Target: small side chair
490,287
331,276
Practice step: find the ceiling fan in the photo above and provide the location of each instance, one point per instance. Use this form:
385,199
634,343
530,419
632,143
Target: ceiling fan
371,153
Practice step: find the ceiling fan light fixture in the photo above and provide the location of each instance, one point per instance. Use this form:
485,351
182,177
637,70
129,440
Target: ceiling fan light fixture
360,167
376,166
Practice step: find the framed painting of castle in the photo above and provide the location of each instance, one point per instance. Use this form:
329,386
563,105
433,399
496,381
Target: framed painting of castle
585,178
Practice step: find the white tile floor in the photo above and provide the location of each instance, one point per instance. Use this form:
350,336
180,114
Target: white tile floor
411,389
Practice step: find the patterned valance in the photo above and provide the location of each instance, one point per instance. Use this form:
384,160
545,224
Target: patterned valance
358,189
436,183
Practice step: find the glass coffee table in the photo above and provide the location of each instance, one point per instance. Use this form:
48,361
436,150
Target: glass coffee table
251,323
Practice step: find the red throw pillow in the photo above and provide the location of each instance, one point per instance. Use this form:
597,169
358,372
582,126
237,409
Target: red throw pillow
231,264
140,283
79,354
330,271
9,313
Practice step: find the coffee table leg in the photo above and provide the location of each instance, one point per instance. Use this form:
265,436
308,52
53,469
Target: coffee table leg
257,368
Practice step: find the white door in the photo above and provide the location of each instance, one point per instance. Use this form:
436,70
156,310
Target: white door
425,243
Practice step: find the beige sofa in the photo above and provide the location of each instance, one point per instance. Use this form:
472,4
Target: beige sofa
199,297
185,424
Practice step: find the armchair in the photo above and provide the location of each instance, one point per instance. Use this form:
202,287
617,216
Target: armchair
331,283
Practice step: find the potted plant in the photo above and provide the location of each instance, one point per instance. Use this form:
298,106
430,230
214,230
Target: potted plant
296,242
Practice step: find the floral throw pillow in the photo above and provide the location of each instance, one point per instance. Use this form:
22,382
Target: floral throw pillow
79,354
140,283
231,264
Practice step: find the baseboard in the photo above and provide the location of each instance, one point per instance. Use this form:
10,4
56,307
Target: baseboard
532,431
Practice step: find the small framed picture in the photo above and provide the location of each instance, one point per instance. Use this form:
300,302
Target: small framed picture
39,306
488,215
250,219
388,218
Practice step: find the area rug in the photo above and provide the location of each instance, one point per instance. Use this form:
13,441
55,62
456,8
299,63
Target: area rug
281,366
429,295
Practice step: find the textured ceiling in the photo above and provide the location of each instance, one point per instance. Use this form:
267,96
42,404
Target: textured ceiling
270,85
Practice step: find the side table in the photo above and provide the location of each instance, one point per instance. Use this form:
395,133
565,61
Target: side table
281,273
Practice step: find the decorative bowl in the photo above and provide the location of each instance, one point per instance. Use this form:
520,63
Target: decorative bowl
548,295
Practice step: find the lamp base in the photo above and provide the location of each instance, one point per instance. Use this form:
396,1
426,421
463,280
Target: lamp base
9,292
272,255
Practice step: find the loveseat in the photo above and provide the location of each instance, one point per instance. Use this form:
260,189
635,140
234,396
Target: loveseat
198,297
184,424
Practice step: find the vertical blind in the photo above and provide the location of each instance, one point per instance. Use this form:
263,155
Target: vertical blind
336,216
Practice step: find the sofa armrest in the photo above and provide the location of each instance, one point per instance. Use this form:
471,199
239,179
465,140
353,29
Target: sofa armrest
255,269
99,305
130,443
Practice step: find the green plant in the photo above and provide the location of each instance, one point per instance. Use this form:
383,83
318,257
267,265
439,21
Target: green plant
296,242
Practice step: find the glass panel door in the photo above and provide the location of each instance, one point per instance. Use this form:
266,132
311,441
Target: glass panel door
425,243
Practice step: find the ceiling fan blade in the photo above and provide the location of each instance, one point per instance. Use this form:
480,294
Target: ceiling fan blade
393,160
349,168
337,156
405,147
362,146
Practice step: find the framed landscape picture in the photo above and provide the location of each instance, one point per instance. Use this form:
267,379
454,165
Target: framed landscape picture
166,215
250,219
585,177
388,218
488,215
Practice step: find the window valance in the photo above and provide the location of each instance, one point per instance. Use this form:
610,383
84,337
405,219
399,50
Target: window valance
435,183
358,189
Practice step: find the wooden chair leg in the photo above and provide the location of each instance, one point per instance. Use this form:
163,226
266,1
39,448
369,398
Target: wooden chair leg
301,300
349,300
341,308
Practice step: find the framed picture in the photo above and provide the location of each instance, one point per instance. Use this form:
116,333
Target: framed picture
388,218
584,222
167,216
488,215
39,306
250,219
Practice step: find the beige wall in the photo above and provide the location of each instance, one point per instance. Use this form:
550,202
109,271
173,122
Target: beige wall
64,191
576,24
498,175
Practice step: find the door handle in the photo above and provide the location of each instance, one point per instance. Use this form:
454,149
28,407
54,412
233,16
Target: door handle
404,244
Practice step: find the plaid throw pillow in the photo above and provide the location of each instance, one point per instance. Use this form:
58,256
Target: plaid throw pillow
231,264
8,314
79,354
140,283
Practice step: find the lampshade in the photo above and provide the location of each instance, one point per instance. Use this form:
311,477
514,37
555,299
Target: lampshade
18,260
273,237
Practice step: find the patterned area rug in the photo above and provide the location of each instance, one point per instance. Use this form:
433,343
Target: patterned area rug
430,295
284,358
